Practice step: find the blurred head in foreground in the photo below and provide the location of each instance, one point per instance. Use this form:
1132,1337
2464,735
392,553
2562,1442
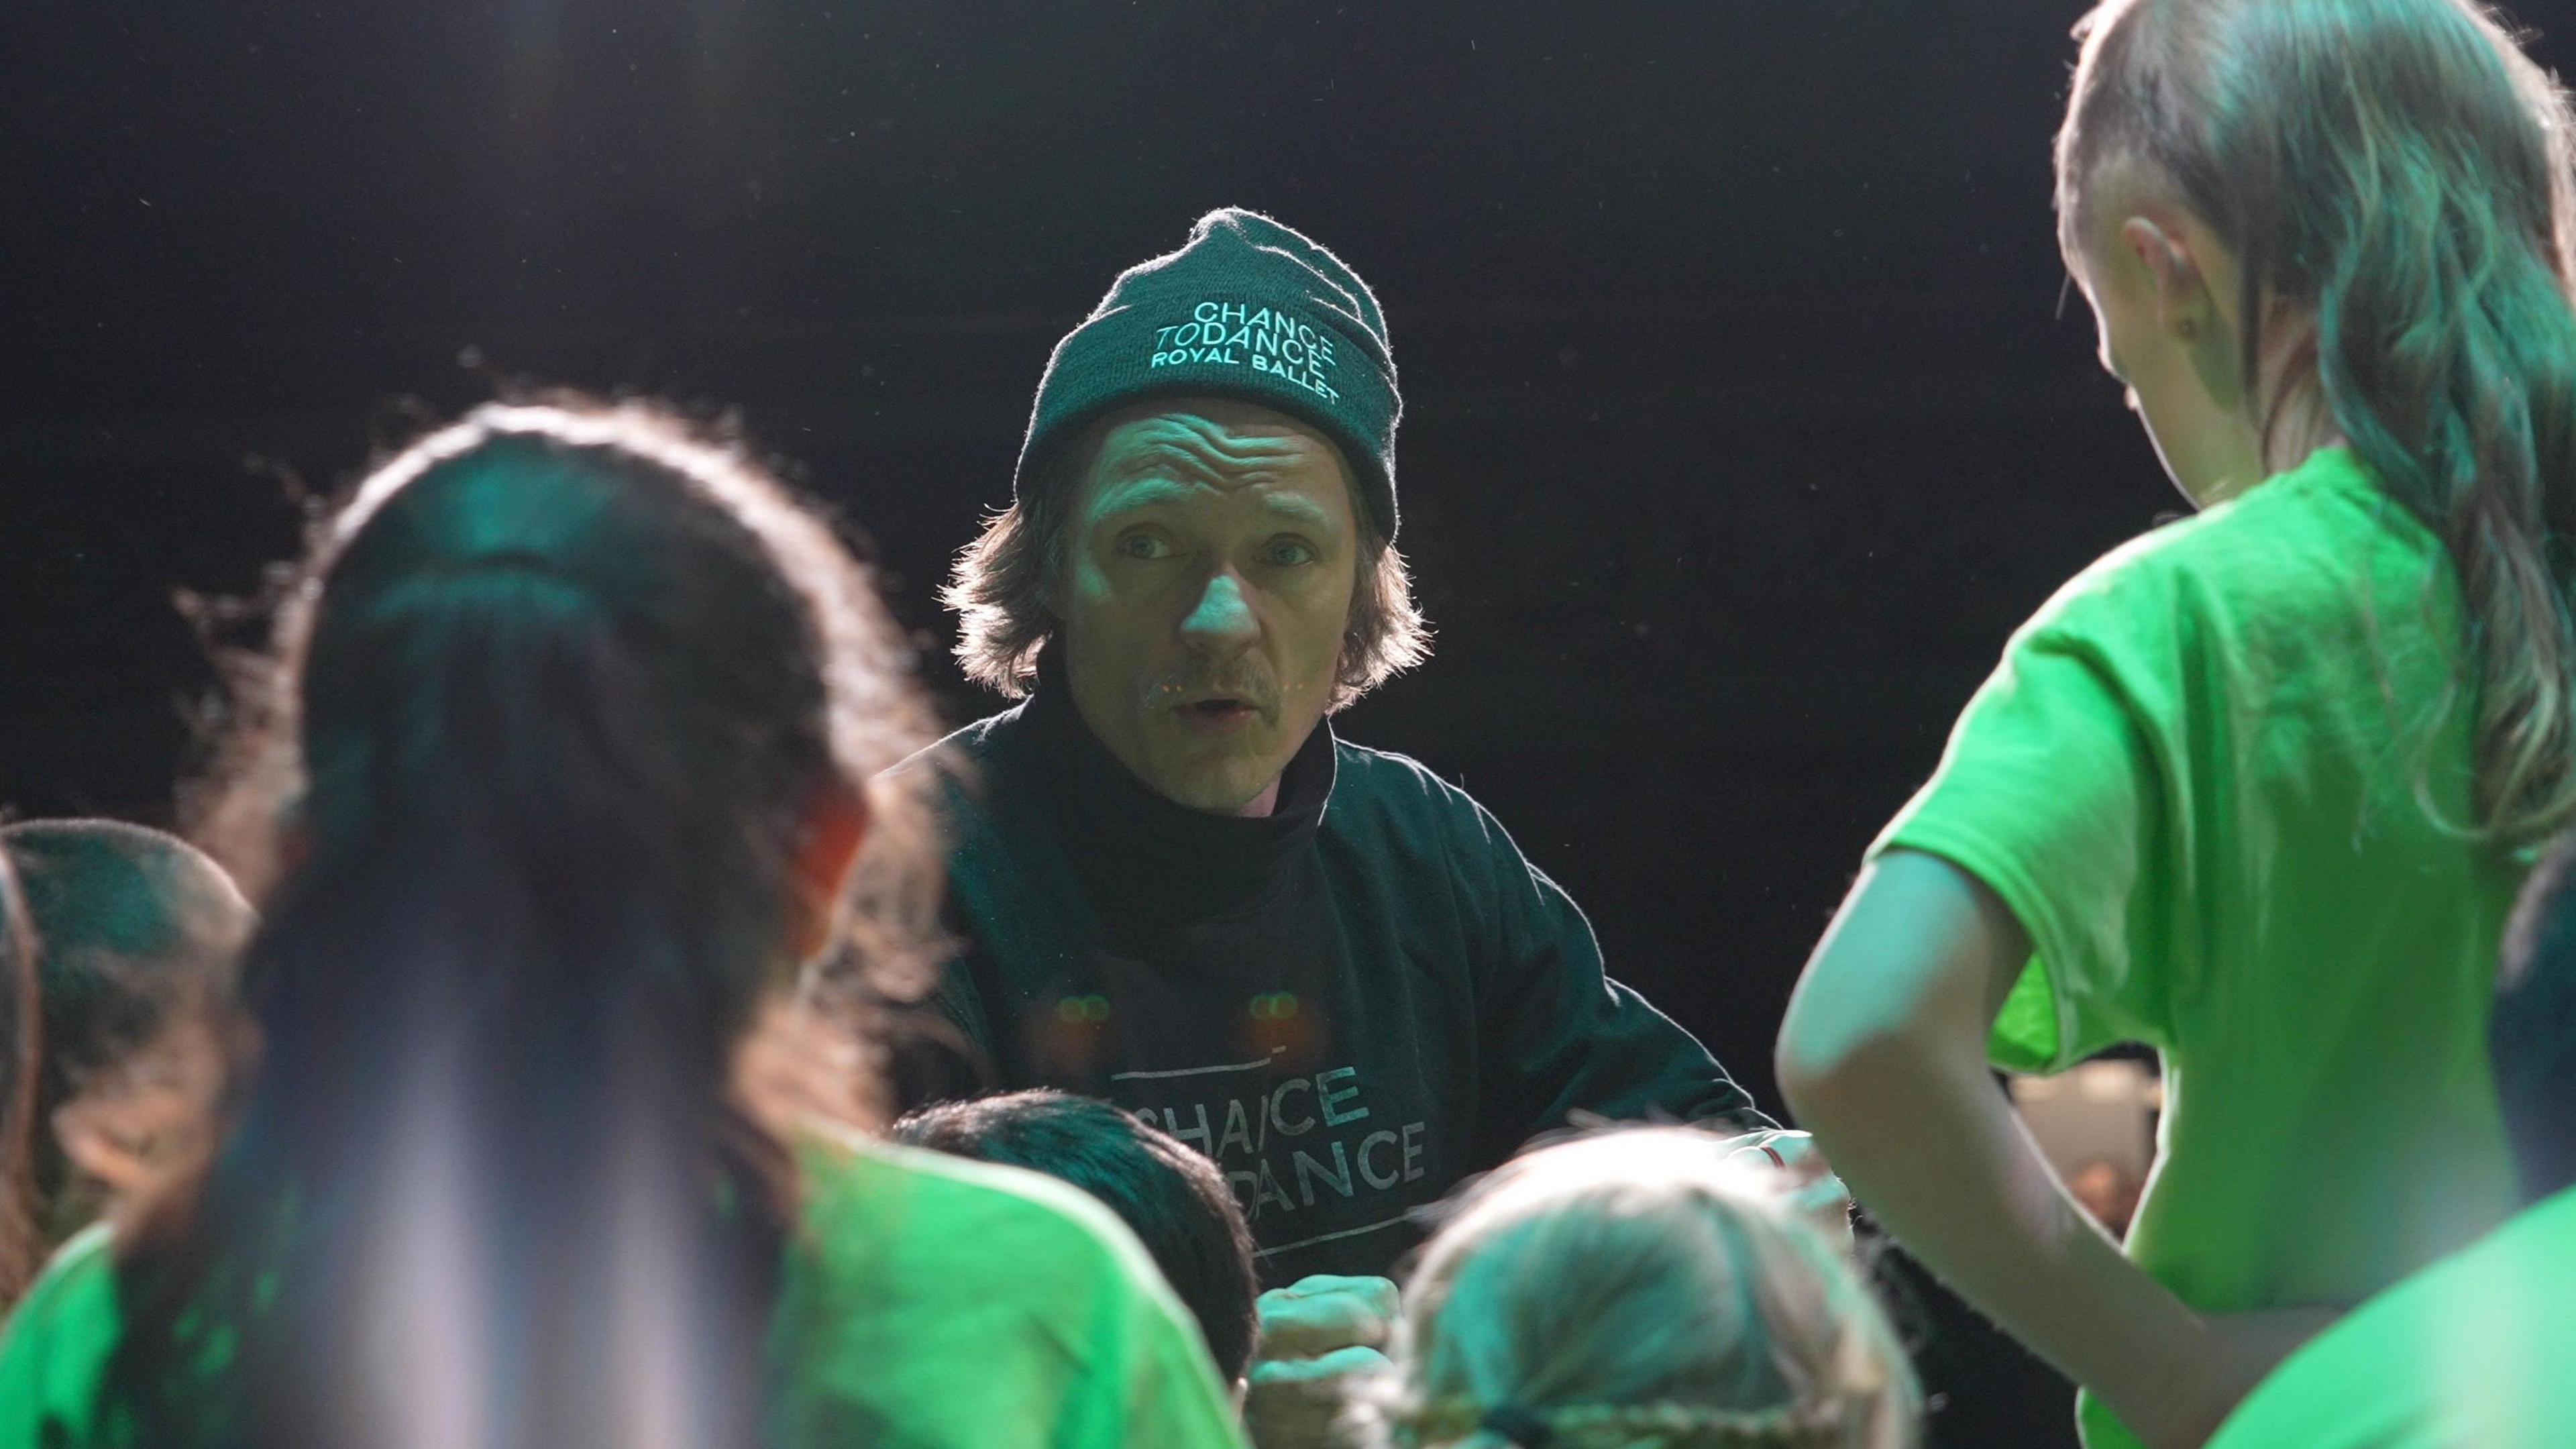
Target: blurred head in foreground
140,930
1173,1198
1636,1290
565,761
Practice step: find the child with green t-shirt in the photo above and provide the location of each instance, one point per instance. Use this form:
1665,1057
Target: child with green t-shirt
575,765
2254,789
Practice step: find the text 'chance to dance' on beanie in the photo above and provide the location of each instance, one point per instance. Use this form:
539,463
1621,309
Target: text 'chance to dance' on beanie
1247,309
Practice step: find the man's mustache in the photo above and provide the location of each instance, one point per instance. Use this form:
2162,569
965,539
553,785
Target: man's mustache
1241,679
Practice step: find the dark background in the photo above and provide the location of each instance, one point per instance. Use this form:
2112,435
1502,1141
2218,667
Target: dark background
1742,418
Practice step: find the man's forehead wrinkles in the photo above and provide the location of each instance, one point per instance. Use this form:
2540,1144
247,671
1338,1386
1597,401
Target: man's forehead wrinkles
1154,486
1210,445
1144,488
1130,495
1162,458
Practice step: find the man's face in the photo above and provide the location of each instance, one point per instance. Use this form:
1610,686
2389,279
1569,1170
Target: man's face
1211,554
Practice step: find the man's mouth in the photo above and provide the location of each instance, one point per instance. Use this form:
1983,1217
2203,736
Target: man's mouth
1223,712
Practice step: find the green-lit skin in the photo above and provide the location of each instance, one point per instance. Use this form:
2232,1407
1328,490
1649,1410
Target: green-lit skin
1213,548
2164,290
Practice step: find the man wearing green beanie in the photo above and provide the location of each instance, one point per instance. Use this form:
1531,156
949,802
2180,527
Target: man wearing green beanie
1176,889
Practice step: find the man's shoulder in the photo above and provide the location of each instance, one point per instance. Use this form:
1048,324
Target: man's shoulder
976,743
1385,777
965,773
1380,792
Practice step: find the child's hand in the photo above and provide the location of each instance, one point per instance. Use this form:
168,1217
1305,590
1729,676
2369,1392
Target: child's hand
1303,1403
1321,1338
2238,1350
1324,1314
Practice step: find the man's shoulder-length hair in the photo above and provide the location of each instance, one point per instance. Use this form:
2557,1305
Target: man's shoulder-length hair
1004,582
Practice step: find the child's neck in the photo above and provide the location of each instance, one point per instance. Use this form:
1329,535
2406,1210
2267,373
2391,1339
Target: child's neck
2304,424
2303,421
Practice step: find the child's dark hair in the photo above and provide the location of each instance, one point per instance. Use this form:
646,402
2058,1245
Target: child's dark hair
1174,1198
140,929
548,713
2401,169
19,1244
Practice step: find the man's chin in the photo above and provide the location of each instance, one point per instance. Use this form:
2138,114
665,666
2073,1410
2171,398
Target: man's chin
1215,798
1221,787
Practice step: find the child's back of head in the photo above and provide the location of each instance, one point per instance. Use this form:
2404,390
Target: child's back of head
140,930
1637,1289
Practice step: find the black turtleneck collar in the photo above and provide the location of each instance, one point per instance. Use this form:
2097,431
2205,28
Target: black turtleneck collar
1149,860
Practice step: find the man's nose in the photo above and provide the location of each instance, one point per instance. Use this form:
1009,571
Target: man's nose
1222,620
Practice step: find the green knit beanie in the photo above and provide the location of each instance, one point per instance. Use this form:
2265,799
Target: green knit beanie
1248,309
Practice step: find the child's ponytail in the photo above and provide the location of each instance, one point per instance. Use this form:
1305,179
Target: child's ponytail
515,881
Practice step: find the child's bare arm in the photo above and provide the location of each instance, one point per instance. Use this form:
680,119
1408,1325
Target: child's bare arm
1883,1057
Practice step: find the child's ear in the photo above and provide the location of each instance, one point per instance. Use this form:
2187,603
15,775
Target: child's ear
2187,310
2184,306
827,846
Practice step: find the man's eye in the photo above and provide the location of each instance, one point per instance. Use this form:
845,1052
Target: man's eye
1288,552
1142,545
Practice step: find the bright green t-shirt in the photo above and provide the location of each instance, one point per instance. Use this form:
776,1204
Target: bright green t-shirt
930,1303
2471,1353
2212,779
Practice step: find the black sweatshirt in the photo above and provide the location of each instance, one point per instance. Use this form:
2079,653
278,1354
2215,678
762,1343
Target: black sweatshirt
1349,1004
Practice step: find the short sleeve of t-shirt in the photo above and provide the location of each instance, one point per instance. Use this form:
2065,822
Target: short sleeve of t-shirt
55,1347
2057,791
956,1305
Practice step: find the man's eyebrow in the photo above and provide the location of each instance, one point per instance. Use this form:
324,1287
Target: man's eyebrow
1191,448
1299,507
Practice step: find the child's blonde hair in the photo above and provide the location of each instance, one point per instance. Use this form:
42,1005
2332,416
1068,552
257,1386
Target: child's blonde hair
2402,170
1635,1289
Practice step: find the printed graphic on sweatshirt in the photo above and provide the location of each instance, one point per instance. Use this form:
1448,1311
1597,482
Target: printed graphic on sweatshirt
1311,1147
1263,339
